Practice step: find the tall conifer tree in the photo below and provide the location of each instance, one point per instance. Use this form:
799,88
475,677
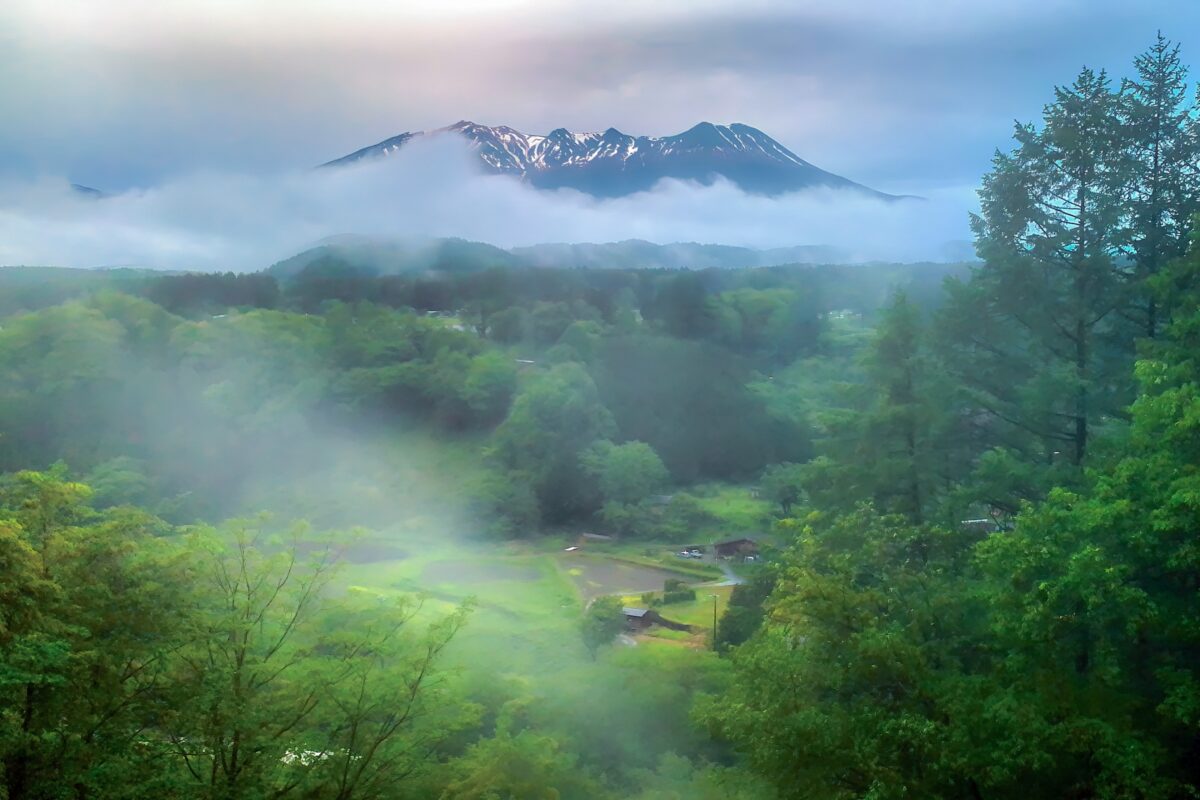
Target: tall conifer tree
1162,135
1049,232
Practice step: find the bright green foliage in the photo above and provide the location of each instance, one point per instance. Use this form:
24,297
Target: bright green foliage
90,619
489,385
270,695
617,718
783,484
601,623
746,610
62,370
680,518
521,766
392,360
551,423
136,664
847,691
505,503
781,321
626,473
256,370
677,778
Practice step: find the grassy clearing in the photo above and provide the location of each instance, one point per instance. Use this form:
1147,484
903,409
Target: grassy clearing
525,616
697,612
736,510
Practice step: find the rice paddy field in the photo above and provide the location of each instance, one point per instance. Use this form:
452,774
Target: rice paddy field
526,601
418,540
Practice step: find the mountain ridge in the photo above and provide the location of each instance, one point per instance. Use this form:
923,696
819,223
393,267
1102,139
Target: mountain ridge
427,255
614,164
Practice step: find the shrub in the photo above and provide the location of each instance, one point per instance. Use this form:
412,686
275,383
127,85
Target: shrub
679,596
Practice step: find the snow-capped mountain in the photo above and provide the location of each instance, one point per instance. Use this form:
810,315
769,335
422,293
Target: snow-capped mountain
611,164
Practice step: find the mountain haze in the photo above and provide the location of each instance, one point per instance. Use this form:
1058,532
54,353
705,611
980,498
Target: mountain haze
430,255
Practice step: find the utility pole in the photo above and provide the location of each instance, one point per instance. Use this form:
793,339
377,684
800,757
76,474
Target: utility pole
714,632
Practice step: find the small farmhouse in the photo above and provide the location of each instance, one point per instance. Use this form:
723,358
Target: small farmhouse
735,547
638,619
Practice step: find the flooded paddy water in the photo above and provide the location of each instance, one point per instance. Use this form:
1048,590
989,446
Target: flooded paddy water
596,576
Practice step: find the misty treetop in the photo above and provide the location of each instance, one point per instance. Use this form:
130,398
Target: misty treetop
203,380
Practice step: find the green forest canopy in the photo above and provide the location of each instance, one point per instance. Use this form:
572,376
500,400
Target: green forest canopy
983,481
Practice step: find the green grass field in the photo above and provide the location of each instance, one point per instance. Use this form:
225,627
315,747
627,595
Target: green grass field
525,611
735,508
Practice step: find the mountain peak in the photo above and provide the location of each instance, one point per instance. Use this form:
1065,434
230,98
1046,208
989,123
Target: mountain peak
703,135
612,163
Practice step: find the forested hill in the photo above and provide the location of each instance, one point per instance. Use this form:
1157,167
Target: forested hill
328,344
383,257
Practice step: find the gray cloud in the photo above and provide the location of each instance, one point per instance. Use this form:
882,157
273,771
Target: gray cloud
219,221
903,96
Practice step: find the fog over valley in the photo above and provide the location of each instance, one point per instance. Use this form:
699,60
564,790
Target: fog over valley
222,221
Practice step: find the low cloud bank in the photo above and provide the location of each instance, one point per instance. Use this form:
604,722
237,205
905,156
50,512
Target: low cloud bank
222,221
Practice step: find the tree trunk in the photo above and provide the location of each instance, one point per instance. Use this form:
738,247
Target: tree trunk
1081,393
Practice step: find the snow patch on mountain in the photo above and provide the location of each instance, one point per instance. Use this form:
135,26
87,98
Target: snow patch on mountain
613,163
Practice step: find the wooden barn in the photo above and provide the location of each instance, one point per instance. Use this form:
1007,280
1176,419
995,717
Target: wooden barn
735,547
638,619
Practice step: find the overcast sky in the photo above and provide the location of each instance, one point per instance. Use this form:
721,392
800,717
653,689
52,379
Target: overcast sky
904,96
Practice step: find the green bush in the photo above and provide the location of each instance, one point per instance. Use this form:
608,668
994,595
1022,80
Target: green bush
679,596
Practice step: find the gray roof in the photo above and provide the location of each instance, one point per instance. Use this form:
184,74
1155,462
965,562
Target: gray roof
634,612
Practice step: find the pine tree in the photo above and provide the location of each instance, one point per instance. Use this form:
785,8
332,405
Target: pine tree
1049,233
897,446
1163,140
904,434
